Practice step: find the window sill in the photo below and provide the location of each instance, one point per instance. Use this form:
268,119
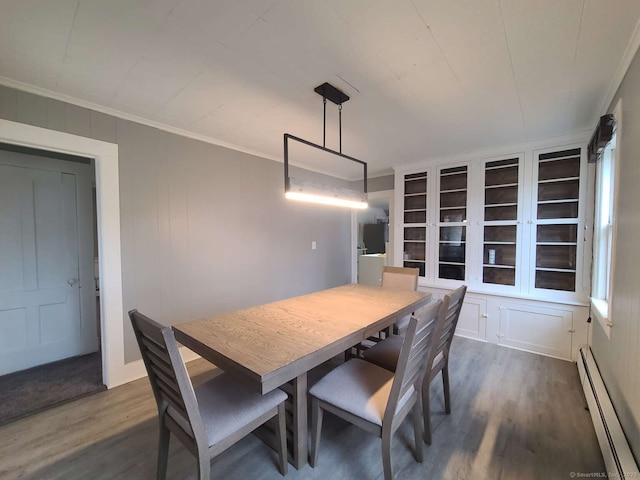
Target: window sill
600,309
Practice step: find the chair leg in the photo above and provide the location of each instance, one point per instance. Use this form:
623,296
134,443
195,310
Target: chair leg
316,430
417,430
163,451
204,465
445,385
281,438
426,409
387,435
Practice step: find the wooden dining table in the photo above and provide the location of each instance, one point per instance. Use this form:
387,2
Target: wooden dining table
276,344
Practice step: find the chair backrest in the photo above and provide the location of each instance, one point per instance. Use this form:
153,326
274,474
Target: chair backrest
400,278
416,351
170,382
454,301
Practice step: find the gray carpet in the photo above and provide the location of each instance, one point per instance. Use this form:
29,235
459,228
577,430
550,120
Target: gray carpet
31,391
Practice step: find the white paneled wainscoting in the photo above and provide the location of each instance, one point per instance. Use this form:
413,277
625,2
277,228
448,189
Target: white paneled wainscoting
553,329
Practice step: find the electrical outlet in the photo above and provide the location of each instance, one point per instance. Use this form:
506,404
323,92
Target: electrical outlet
313,245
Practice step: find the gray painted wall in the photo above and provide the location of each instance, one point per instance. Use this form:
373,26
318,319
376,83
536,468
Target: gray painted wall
619,357
380,184
204,229
375,184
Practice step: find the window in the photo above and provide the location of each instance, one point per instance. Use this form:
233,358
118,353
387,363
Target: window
603,222
604,231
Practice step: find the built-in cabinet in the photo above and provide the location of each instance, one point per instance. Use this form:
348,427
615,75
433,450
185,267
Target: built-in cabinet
414,236
502,198
510,227
557,208
452,222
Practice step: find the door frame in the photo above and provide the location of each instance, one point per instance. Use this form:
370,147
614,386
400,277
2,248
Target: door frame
388,194
83,213
114,369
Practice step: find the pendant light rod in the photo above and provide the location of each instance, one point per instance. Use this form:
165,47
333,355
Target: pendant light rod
340,125
324,122
329,92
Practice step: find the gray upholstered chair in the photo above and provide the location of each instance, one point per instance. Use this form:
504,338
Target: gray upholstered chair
374,398
394,278
386,353
400,278
211,417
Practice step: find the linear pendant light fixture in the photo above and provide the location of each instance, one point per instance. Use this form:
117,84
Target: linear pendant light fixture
314,192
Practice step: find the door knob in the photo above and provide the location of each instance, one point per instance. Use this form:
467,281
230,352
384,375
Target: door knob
72,281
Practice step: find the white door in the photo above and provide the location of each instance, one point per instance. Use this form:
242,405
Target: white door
40,314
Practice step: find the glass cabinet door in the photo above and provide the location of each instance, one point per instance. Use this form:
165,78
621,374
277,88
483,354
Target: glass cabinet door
500,221
452,226
415,221
556,237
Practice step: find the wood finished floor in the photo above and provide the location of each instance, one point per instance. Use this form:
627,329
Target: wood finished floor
515,416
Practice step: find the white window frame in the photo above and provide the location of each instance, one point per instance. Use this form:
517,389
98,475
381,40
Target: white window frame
604,231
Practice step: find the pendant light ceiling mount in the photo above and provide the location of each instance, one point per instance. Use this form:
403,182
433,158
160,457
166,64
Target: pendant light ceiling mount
313,192
331,93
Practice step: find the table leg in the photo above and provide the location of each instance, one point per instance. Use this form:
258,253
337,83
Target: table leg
300,449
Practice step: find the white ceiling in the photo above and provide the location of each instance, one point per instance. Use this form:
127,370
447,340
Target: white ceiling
426,78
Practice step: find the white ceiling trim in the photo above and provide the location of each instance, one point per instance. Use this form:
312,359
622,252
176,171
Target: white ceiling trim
506,150
623,66
25,87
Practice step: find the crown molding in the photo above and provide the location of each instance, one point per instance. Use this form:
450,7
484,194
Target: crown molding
555,141
623,66
43,92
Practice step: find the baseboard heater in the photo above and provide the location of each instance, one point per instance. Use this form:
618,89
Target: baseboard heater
617,455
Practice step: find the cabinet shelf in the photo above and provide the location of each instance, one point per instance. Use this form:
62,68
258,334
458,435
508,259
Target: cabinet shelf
500,185
415,210
545,269
453,171
487,205
501,167
444,262
554,158
564,200
414,194
489,242
557,243
560,179
415,241
489,265
454,190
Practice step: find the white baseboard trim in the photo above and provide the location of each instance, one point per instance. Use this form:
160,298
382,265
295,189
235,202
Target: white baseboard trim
618,459
135,370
